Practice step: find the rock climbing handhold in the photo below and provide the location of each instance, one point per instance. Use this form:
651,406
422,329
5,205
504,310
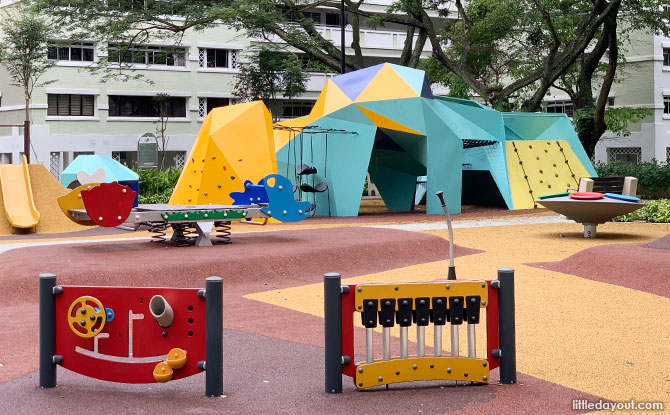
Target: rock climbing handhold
162,372
176,358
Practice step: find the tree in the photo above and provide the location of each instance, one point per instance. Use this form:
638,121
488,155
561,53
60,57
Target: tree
162,103
270,74
23,52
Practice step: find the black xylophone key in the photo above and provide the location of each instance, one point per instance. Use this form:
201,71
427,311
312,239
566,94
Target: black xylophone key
421,318
404,318
438,317
472,316
456,318
369,317
387,320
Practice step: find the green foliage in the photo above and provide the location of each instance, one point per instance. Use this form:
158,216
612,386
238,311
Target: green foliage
618,120
23,48
438,74
157,186
656,211
653,178
269,74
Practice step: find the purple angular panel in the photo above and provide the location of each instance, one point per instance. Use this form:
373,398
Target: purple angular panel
425,90
353,83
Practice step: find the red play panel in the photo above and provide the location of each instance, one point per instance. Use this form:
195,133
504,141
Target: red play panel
586,195
130,345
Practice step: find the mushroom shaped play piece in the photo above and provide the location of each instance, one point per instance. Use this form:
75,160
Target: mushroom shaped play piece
176,358
162,372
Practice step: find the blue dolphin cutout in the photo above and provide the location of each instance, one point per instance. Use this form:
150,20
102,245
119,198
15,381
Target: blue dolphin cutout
253,194
282,205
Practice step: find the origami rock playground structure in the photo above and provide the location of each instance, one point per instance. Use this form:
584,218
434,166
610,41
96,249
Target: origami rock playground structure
385,120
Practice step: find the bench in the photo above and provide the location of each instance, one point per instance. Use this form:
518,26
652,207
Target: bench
620,185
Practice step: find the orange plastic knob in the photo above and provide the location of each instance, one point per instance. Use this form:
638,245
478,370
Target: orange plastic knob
162,372
176,358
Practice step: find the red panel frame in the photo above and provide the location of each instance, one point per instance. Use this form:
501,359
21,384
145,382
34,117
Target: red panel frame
186,332
492,339
348,309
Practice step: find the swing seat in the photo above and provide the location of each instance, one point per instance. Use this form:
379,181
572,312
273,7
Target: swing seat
319,188
305,169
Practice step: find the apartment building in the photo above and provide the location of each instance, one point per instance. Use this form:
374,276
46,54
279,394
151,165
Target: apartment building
644,81
80,114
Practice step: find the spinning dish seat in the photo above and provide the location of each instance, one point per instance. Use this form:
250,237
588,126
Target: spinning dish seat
319,188
586,195
304,169
622,197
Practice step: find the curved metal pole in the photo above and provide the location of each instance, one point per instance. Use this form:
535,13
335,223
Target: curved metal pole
452,268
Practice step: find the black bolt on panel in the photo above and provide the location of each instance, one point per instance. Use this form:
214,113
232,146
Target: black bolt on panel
387,313
404,314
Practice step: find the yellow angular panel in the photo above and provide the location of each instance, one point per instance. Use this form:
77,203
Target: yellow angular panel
420,289
384,372
235,144
383,122
335,99
544,169
387,84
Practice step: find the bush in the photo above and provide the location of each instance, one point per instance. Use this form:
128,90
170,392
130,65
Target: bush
657,211
155,186
653,178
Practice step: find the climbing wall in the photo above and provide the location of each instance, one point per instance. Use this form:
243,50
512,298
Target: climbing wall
537,168
235,143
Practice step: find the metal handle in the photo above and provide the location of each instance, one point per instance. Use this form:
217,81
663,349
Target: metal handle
440,195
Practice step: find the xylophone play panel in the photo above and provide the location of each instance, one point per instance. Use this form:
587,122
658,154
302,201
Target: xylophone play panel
421,289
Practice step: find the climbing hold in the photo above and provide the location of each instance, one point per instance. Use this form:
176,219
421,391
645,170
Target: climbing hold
162,372
281,187
205,193
239,160
537,158
189,199
214,158
124,190
541,181
203,160
193,159
546,151
118,218
548,143
224,167
540,171
218,185
176,358
554,164
232,177
530,146
556,174
100,218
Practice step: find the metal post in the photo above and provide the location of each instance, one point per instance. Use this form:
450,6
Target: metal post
332,296
369,346
342,47
472,342
420,341
386,343
26,140
47,331
454,340
437,341
403,342
214,336
507,326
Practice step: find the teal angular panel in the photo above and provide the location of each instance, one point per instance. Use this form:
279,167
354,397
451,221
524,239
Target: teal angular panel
493,159
413,144
405,111
395,187
469,122
400,161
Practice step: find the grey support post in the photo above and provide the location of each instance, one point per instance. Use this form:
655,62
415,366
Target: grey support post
333,319
214,336
507,326
47,331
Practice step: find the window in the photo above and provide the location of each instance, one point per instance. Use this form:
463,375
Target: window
630,154
127,158
77,52
333,19
316,16
217,58
144,106
666,57
610,101
147,55
293,109
666,105
70,105
217,102
667,155
560,107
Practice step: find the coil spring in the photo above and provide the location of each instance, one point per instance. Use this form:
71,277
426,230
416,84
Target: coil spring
223,232
179,238
158,230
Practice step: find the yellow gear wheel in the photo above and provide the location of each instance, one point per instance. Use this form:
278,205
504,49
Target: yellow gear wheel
83,316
